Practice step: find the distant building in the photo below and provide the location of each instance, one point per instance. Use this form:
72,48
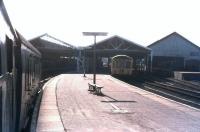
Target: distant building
112,46
57,56
174,52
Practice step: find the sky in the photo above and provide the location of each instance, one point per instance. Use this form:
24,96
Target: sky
140,21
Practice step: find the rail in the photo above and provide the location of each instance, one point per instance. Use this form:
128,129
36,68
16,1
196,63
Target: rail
182,92
186,83
6,104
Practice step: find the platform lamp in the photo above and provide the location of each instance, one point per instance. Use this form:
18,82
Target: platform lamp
95,34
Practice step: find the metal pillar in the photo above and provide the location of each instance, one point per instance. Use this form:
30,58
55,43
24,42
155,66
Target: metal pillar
94,50
84,65
94,61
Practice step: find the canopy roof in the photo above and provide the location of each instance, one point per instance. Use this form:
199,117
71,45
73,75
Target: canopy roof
116,45
52,47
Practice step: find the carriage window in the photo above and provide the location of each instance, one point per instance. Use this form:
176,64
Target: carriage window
30,71
27,72
9,53
0,59
33,68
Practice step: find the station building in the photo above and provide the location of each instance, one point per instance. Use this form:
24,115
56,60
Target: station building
57,56
110,47
175,53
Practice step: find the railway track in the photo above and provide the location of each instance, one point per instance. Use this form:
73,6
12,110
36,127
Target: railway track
197,83
190,84
181,91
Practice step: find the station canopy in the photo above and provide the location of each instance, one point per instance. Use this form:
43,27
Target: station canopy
51,47
116,45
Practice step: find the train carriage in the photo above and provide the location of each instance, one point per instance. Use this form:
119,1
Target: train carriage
20,70
30,69
121,65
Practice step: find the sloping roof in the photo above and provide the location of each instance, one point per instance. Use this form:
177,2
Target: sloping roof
27,43
51,47
129,43
52,40
173,34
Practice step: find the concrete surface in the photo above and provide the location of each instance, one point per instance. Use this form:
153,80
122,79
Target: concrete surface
49,118
123,108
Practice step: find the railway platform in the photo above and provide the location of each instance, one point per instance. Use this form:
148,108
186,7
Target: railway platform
67,105
48,118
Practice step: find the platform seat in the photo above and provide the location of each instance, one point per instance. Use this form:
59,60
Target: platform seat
96,89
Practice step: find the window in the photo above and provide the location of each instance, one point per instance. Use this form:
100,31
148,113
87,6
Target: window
194,53
128,64
104,61
26,61
0,59
9,50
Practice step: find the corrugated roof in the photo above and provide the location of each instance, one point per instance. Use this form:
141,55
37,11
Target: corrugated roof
116,36
173,34
54,40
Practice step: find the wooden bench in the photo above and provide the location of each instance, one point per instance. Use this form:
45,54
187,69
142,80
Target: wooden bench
91,87
96,89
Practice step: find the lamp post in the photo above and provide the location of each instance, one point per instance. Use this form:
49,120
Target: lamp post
95,34
84,50
84,65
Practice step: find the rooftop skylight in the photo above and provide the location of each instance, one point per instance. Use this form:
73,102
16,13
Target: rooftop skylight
50,39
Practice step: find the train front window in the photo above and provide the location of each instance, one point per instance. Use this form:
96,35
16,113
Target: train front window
127,64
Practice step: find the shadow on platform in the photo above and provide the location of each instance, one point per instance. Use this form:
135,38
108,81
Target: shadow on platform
116,101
